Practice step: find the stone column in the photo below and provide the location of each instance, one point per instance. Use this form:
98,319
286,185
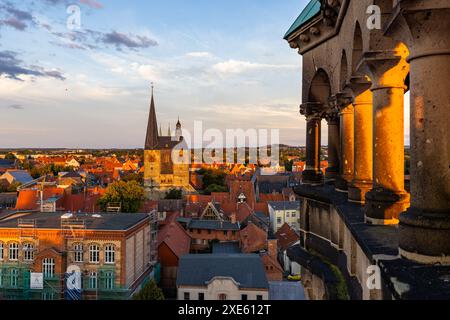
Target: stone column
363,163
312,173
342,102
388,198
332,117
425,228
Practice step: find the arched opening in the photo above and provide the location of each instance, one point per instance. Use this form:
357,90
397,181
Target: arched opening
357,47
320,89
344,71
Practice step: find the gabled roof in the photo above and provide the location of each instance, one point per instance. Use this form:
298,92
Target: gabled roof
246,269
21,176
311,10
176,238
253,239
286,237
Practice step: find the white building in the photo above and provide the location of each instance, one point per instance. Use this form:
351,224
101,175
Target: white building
281,212
222,277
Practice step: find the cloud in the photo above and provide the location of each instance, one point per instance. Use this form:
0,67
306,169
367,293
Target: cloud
128,40
91,39
16,107
12,67
14,23
237,67
199,54
19,14
92,3
17,18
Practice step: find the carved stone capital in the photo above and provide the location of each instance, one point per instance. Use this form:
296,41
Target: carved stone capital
386,69
332,116
312,110
358,84
340,101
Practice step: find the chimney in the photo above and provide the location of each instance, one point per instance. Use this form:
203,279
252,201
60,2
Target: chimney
233,217
272,248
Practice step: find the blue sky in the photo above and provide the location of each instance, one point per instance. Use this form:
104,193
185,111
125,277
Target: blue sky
220,61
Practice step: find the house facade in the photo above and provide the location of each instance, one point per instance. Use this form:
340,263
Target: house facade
222,277
111,253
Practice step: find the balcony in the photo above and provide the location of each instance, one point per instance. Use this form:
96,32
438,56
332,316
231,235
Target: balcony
335,237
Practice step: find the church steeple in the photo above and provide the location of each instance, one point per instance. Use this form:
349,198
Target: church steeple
169,132
151,139
178,132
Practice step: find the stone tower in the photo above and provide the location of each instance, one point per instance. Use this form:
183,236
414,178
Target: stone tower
162,168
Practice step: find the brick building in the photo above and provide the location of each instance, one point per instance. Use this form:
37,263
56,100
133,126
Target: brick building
112,252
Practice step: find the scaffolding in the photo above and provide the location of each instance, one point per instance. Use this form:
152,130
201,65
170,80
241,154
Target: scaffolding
153,241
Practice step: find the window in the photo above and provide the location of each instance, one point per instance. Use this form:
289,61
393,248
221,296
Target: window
94,253
279,221
209,231
225,233
109,280
1,251
259,297
14,278
93,282
244,297
48,267
1,278
28,252
48,296
110,254
201,296
222,297
13,251
78,253
294,215
187,296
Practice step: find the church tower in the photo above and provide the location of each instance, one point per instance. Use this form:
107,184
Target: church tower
161,172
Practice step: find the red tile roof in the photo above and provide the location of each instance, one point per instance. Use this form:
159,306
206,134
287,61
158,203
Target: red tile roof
253,239
286,237
176,238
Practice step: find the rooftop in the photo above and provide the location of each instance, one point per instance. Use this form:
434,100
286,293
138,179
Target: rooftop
104,221
245,269
213,225
285,205
311,10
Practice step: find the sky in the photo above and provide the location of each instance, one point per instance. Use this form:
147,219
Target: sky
223,62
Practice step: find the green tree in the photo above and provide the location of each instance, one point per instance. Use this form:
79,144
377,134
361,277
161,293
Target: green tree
10,156
138,177
211,177
215,188
288,165
174,194
149,292
129,194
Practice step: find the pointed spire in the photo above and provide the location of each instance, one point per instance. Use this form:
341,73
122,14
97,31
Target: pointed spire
169,132
178,123
151,139
160,130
